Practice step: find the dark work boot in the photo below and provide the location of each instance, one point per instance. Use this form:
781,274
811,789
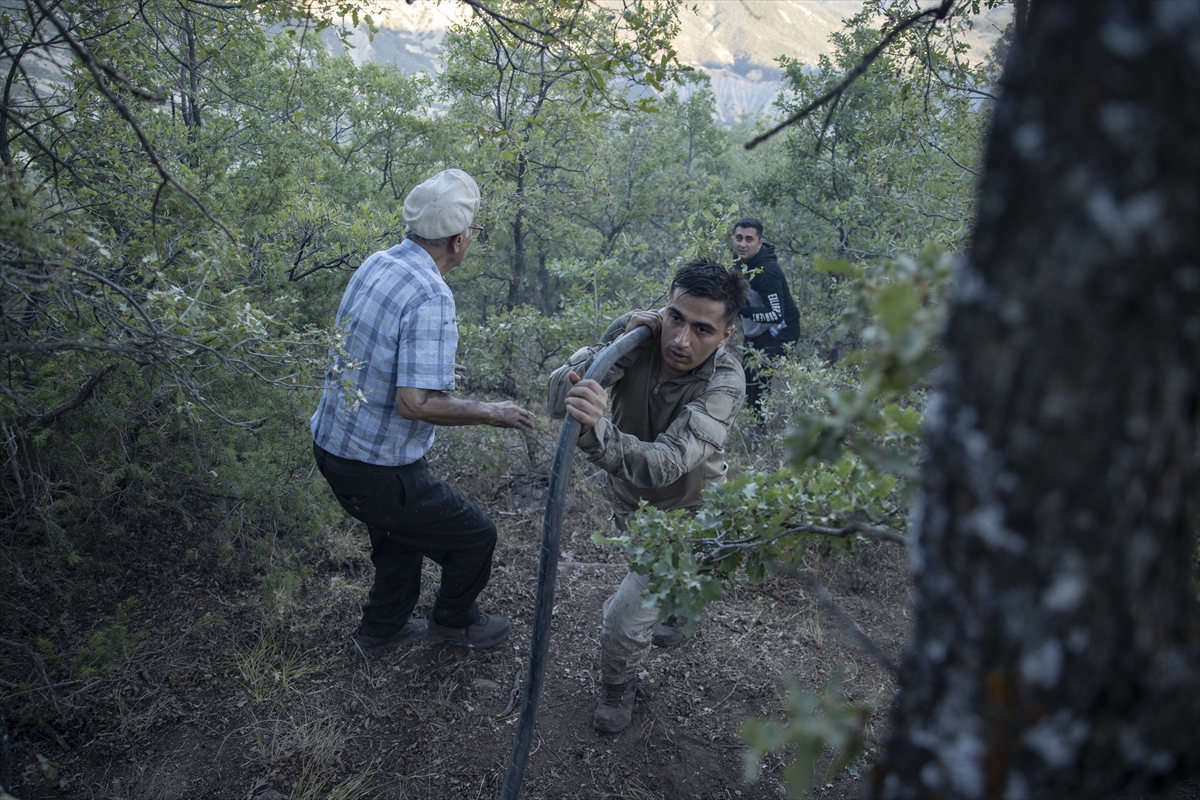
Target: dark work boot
669,633
412,633
615,710
485,631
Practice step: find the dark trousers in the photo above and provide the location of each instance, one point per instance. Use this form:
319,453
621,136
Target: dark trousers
412,515
758,384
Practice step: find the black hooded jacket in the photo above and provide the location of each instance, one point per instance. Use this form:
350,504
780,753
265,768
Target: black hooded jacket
777,303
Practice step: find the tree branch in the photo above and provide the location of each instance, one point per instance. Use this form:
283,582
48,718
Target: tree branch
953,160
80,398
98,72
869,531
939,13
40,666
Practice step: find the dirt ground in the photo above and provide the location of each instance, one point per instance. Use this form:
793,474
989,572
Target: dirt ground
228,696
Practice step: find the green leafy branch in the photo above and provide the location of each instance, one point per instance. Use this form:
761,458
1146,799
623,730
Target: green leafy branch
705,233
898,314
812,723
753,521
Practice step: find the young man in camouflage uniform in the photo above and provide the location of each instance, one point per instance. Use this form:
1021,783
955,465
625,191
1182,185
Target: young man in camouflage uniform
673,401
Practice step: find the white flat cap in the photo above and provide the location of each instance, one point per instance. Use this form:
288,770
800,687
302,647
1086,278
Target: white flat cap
443,205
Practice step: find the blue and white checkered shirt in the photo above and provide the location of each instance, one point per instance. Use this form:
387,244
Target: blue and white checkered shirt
397,326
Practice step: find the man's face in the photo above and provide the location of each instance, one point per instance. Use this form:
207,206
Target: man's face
746,243
692,329
458,247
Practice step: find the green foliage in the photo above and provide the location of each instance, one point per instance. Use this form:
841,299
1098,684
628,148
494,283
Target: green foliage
516,348
546,127
898,311
135,327
170,269
705,232
752,521
813,723
105,647
280,588
889,168
209,624
65,656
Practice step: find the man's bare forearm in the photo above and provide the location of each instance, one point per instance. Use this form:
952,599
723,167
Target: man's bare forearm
439,408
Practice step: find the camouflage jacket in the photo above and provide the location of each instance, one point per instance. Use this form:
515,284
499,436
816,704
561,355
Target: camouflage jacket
666,441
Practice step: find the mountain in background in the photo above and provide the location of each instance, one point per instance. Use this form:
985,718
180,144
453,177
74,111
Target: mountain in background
736,42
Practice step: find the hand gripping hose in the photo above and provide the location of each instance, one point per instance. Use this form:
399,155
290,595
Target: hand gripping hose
543,608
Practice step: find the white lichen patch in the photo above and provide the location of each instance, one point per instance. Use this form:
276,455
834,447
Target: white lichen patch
1057,739
1029,141
1124,223
1125,40
1041,665
935,651
1180,19
1067,587
1141,755
1122,123
987,522
1078,640
961,761
1016,787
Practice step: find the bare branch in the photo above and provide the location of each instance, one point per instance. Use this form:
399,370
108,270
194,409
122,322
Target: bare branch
129,347
953,160
869,531
938,13
39,665
80,398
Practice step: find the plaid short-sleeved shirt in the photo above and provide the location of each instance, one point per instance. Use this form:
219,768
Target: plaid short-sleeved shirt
397,326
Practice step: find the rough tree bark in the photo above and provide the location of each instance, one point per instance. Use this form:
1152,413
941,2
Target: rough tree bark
1057,647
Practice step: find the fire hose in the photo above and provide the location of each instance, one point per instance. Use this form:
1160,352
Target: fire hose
543,608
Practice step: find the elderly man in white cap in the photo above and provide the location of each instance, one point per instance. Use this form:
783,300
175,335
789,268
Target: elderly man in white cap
384,394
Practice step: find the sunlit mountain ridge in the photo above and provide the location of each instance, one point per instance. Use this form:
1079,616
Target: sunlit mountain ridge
736,42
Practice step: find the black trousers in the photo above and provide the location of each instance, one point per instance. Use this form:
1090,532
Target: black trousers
411,515
758,384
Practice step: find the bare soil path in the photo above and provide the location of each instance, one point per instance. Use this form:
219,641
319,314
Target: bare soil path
230,695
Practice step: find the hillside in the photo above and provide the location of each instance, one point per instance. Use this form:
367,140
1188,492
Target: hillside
238,691
736,42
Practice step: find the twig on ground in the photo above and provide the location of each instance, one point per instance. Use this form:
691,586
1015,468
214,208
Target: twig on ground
41,669
849,626
512,695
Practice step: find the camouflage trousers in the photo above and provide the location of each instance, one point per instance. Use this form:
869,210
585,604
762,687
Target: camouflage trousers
626,629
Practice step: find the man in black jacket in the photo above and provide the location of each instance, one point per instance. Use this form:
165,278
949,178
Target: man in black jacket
770,319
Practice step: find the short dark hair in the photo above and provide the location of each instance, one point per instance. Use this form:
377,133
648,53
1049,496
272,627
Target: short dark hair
749,222
703,278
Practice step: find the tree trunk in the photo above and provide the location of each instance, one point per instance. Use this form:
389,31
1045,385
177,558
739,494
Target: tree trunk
518,229
543,279
190,80
1057,645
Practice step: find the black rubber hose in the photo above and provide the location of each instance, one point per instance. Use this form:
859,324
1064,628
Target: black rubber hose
543,608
